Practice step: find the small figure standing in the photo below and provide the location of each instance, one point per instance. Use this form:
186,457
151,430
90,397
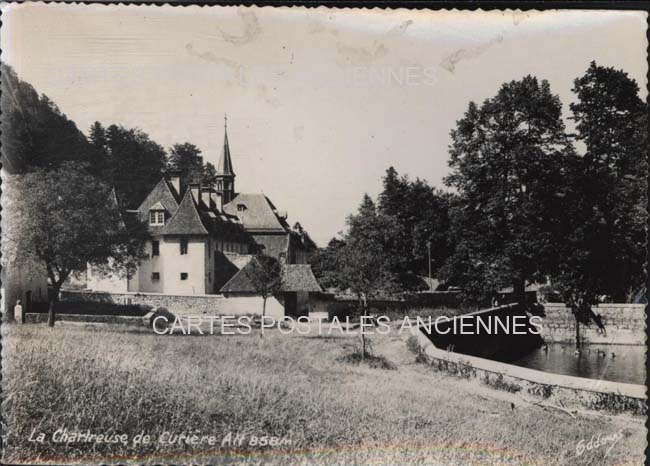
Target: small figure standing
18,312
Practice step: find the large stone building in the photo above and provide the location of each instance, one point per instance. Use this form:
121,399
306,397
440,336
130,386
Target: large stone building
202,237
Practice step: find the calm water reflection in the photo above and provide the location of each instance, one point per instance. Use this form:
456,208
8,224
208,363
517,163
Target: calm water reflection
595,362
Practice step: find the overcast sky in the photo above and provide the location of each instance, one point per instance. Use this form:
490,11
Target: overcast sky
321,101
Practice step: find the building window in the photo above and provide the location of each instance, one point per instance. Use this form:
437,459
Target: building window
183,246
155,276
155,248
241,207
183,275
156,217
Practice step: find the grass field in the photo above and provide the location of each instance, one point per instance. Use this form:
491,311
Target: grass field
303,391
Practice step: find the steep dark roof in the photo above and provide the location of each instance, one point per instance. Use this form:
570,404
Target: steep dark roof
189,216
295,277
239,283
299,277
258,213
186,220
227,227
164,194
113,204
224,167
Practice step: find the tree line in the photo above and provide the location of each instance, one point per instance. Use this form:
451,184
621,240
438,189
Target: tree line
65,205
527,201
36,135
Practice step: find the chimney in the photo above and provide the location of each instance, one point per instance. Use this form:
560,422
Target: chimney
216,200
195,188
205,196
175,180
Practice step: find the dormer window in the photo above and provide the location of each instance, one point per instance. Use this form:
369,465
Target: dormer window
157,214
156,217
241,207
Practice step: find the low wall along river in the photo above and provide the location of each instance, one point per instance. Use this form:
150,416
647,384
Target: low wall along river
562,390
624,333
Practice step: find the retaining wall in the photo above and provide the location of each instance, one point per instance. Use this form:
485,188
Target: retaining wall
195,305
624,324
563,390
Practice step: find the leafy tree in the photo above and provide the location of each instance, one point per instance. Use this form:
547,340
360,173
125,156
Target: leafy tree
607,215
209,175
422,215
136,164
507,158
325,264
66,218
364,262
187,160
35,133
265,274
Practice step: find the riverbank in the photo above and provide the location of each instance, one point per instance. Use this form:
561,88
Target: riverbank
304,389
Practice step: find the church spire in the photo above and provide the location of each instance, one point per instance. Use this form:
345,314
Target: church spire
225,173
225,162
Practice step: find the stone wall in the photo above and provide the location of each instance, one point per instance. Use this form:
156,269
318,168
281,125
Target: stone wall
624,324
184,304
555,389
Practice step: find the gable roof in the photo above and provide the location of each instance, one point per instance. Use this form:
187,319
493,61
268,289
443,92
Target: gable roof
299,277
239,283
113,204
295,277
186,220
189,216
157,206
259,214
162,194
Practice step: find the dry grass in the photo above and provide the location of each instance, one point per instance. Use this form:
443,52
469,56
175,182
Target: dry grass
303,389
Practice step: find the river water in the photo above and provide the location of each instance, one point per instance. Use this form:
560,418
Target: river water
617,363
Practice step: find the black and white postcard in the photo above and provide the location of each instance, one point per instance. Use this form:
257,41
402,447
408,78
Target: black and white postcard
283,235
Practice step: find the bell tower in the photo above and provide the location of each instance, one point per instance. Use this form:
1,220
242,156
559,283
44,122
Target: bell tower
225,173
